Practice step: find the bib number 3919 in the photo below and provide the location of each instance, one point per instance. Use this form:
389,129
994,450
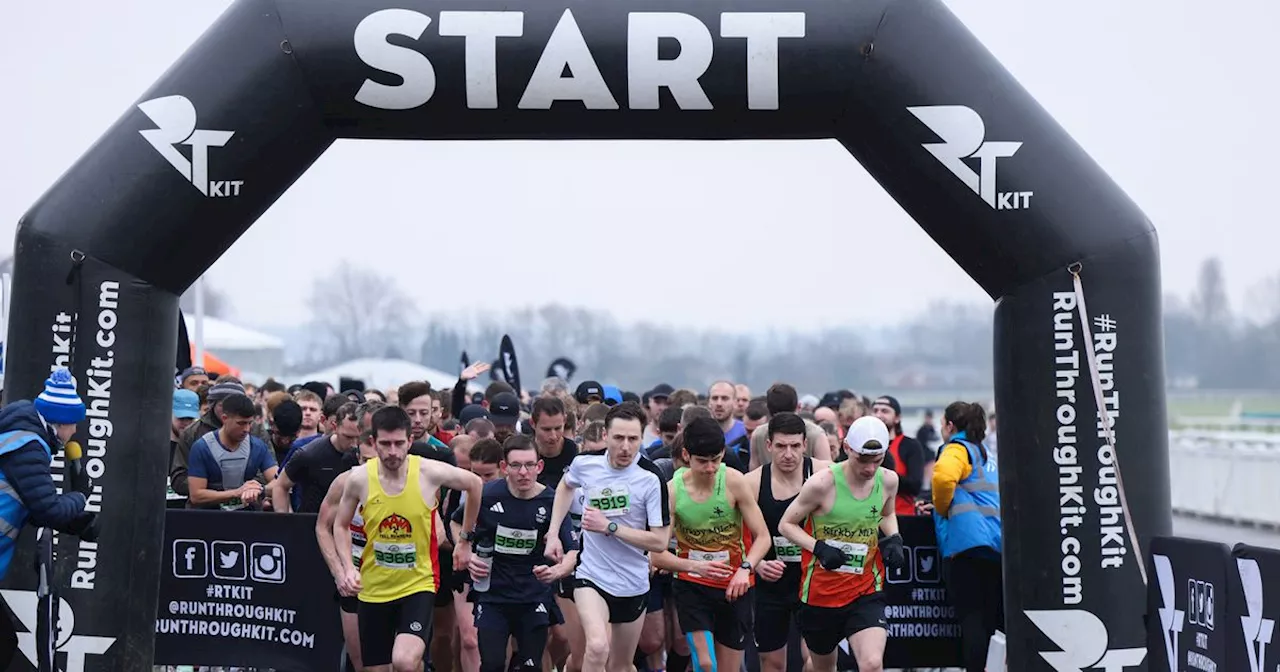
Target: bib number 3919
612,501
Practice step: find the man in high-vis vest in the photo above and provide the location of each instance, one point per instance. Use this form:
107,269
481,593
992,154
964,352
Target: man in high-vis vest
29,433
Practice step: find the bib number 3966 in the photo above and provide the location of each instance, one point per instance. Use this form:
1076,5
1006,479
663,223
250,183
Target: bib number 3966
395,556
612,501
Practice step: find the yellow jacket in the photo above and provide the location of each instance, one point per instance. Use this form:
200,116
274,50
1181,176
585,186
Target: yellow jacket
951,468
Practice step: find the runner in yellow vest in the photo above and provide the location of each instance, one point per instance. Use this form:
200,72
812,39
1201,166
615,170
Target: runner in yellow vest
347,602
397,577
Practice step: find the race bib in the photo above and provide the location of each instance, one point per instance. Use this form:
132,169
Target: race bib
232,505
613,501
855,556
511,541
784,550
357,549
709,556
395,556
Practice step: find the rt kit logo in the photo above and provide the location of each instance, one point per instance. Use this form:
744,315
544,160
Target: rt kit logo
175,120
964,136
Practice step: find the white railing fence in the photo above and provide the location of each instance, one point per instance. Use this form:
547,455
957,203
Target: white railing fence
1228,474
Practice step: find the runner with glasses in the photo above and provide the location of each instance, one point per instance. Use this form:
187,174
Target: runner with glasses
519,600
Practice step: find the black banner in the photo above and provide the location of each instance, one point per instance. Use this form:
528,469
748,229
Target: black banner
510,368
122,355
923,631
563,368
1187,605
243,588
463,362
1074,578
1253,608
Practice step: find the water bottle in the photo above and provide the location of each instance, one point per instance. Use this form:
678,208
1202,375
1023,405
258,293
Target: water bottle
485,553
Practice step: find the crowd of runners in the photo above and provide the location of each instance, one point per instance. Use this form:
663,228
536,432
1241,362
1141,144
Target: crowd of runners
590,529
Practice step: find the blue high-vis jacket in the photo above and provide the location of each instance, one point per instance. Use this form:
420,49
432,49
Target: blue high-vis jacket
973,520
27,493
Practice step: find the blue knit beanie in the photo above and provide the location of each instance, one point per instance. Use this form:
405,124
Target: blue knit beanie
59,404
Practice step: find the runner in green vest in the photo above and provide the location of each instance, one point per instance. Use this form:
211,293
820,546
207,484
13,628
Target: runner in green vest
714,571
836,520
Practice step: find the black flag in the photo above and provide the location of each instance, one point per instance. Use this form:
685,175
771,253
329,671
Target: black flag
184,347
510,369
563,368
463,362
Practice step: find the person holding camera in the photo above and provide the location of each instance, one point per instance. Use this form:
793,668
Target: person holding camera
29,433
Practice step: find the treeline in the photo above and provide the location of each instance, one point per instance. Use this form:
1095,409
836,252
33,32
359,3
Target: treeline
943,346
1210,345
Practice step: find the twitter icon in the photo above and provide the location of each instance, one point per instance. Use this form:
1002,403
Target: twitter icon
229,560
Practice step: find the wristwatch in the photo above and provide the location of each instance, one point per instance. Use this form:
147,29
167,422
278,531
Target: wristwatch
468,536
613,527
746,564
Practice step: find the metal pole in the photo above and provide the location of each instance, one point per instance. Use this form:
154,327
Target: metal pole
198,360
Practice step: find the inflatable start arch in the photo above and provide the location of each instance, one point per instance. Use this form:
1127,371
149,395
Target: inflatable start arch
900,83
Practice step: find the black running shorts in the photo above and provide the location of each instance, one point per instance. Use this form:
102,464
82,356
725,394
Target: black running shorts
621,609
823,628
382,622
705,609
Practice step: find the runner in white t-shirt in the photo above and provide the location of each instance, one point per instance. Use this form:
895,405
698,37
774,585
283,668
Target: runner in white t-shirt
622,522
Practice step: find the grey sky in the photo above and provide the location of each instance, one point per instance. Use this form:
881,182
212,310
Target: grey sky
1172,98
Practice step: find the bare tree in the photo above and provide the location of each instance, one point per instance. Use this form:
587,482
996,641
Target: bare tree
359,313
1263,301
1209,303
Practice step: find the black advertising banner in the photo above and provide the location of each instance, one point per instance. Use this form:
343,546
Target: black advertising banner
1187,605
510,368
1074,575
563,368
923,631
1253,608
245,588
117,334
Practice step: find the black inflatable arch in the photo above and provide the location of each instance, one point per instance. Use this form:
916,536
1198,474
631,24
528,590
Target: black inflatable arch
900,83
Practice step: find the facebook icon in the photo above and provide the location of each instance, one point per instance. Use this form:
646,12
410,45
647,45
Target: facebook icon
190,559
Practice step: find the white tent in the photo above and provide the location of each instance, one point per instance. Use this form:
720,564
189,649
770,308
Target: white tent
242,348
381,374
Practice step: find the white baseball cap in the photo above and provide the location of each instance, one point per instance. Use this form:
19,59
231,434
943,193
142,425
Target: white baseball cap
865,430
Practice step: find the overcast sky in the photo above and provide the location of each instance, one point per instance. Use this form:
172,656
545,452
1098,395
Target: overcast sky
1176,100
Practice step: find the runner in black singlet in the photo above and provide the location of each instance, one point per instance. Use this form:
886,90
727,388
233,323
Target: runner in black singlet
778,483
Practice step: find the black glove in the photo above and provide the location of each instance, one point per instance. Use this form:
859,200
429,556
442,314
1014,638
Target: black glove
830,557
80,481
90,532
895,557
84,526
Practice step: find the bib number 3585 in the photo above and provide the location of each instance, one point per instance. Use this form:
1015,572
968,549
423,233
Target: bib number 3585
611,501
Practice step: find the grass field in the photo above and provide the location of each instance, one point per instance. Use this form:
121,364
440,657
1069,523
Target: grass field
1212,404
